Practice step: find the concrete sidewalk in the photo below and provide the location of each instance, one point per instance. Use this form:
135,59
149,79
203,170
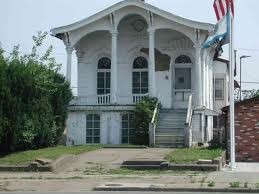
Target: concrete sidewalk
113,158
183,181
247,167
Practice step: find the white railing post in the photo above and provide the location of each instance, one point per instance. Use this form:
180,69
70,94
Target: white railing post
188,124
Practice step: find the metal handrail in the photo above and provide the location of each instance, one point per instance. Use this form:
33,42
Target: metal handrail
188,124
152,124
189,111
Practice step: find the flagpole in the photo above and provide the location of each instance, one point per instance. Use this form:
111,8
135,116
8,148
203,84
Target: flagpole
232,102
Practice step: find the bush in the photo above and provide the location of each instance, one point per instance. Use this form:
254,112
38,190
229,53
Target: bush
33,100
142,116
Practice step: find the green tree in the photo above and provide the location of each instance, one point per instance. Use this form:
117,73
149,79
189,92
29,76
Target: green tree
33,99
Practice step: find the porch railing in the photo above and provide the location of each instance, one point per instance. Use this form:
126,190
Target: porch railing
138,97
106,100
188,124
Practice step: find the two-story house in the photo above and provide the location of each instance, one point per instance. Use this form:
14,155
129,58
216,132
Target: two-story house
132,50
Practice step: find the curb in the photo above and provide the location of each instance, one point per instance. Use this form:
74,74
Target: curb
153,188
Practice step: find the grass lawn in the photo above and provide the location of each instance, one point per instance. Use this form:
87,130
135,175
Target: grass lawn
192,155
48,153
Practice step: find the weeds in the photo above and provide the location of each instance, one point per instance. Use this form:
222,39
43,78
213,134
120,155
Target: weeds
211,184
234,184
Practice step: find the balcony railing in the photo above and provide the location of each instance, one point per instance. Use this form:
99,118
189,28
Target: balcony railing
106,100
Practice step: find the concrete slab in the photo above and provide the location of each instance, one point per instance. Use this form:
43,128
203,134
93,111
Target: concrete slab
113,158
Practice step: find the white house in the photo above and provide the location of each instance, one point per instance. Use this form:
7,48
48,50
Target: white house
132,50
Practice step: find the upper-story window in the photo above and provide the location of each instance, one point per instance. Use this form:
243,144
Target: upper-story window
183,59
104,76
140,76
219,89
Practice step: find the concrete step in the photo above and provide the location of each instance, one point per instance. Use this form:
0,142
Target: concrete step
175,139
169,131
143,162
170,145
141,167
173,111
173,114
170,126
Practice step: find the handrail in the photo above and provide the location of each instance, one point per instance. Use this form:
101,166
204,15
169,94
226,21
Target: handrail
188,124
155,113
152,125
189,111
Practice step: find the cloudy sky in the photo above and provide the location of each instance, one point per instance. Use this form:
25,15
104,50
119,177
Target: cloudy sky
20,19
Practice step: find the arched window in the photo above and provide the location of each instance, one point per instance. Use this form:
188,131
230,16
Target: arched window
140,76
104,63
183,59
104,76
140,63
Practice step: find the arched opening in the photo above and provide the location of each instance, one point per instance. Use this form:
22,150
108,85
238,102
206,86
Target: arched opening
140,76
104,76
182,74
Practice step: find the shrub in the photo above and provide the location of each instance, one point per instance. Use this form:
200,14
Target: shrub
142,116
33,100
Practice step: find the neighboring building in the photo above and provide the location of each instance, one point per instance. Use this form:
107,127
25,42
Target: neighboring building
246,129
131,50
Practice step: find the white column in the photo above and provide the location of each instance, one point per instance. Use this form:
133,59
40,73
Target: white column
69,63
198,76
114,72
151,65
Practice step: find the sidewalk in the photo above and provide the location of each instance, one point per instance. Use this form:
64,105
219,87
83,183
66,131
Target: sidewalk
113,158
101,168
180,181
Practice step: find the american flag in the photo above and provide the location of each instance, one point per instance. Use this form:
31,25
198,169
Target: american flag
221,8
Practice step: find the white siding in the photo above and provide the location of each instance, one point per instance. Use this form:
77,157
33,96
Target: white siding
76,125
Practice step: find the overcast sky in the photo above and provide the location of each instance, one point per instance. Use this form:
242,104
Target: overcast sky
20,19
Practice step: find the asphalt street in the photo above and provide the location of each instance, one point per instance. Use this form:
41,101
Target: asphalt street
114,192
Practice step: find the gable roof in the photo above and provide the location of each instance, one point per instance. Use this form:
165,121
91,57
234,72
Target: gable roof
138,3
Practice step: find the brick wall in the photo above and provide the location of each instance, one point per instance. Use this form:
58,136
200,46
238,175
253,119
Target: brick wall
247,131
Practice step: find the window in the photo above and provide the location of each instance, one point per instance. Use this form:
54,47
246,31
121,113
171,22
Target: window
183,78
219,89
93,129
104,76
126,129
183,59
140,76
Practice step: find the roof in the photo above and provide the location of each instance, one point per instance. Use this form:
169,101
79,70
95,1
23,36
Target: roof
138,3
240,103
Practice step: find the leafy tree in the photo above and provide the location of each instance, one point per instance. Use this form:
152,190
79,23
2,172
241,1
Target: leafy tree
142,116
33,99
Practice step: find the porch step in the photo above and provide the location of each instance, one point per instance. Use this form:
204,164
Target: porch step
170,131
170,128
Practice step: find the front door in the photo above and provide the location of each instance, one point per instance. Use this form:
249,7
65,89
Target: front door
182,85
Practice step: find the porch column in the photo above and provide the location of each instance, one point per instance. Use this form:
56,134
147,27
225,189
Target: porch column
114,74
151,65
69,63
198,76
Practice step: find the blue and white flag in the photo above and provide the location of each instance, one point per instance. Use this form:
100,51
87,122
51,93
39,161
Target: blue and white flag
221,32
